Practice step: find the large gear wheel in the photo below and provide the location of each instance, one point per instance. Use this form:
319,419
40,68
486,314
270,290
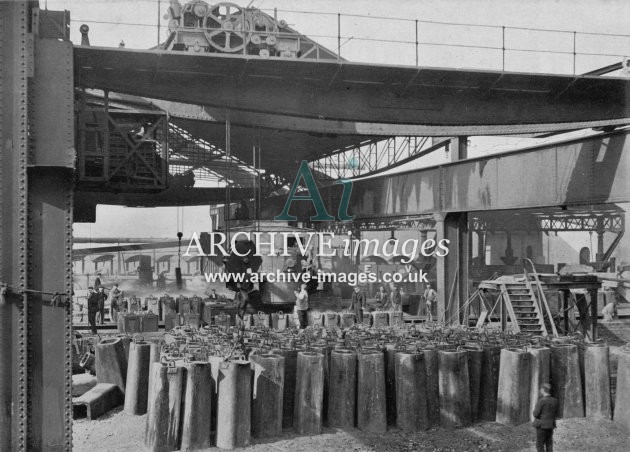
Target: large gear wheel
226,27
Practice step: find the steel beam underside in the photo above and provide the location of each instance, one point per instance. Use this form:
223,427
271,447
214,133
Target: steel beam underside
343,91
577,172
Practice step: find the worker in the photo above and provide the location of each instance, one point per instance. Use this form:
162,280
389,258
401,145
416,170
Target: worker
97,282
92,303
358,303
301,305
241,299
382,299
114,298
545,414
214,298
102,296
610,311
397,299
430,297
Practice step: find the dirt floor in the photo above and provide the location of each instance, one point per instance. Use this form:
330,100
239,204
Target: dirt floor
118,431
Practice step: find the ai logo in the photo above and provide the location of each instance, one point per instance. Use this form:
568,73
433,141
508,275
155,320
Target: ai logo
313,196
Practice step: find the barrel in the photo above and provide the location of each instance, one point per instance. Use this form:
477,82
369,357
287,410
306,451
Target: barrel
309,393
411,398
234,404
489,383
288,396
514,384
371,405
454,388
622,398
565,380
475,362
431,362
137,388
597,382
390,382
343,388
164,408
541,374
267,404
111,363
197,410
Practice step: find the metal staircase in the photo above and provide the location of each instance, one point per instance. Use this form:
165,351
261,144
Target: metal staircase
527,305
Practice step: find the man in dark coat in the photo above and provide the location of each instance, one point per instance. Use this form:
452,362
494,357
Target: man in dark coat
92,304
102,297
545,419
358,303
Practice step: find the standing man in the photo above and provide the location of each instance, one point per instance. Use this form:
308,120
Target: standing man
92,303
545,419
358,303
102,296
97,282
397,299
214,298
430,297
301,304
114,302
382,299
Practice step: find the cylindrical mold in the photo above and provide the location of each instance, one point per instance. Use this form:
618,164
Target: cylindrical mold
197,410
288,396
454,388
411,401
326,350
380,319
622,398
154,357
309,393
126,341
371,402
137,388
234,404
475,362
164,408
541,374
566,381
343,389
514,384
431,362
489,383
111,363
267,404
597,382
390,382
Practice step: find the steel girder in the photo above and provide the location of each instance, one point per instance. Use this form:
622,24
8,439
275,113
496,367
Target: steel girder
36,179
453,102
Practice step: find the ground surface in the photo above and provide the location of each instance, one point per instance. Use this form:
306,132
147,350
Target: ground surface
118,431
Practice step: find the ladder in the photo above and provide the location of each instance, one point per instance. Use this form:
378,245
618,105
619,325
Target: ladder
522,307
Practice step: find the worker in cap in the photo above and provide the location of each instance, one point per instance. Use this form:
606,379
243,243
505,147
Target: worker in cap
545,414
92,302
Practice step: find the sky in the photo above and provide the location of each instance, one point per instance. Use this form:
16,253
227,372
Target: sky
135,23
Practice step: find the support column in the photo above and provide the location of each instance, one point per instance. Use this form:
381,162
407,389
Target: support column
36,184
452,269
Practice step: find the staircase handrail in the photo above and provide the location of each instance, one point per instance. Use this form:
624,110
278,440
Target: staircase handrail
541,293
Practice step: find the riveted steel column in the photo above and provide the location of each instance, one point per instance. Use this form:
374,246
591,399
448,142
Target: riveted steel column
452,269
50,178
14,39
36,166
